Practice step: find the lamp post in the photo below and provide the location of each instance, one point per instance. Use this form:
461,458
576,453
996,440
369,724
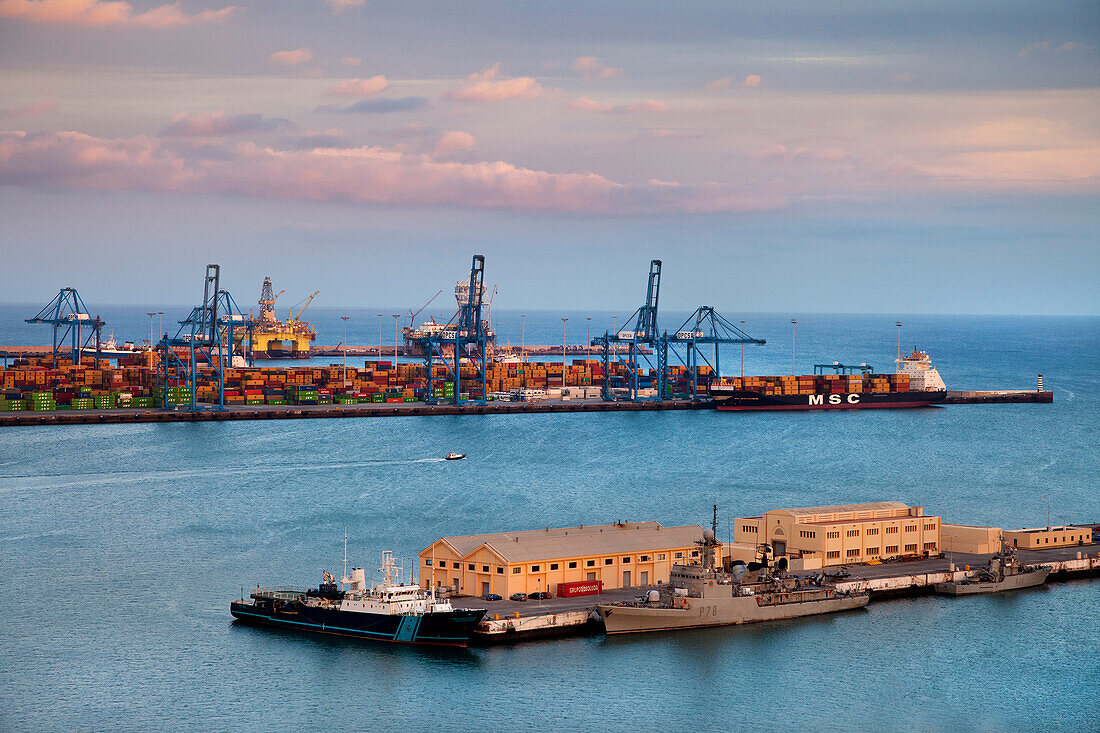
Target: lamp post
793,324
345,320
150,330
379,358
1047,497
523,343
563,320
898,324
588,338
395,333
742,350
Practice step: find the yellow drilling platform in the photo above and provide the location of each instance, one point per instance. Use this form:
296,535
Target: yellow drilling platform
274,339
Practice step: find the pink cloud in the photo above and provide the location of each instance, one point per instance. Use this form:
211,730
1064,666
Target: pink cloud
364,175
782,152
585,104
28,110
591,67
453,142
351,61
291,58
752,81
719,83
219,124
666,134
339,6
108,12
489,85
360,87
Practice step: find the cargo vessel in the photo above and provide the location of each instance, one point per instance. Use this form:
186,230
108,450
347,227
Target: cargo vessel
1004,572
916,384
414,336
390,611
701,595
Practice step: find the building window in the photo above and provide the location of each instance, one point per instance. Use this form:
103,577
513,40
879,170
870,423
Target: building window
679,554
891,549
853,533
695,553
500,570
572,565
833,535
910,528
608,561
807,534
750,528
516,571
626,559
873,552
428,561
643,558
872,530
589,563
661,556
929,545
929,527
470,566
853,553
484,568
833,553
911,548
891,530
553,566
534,568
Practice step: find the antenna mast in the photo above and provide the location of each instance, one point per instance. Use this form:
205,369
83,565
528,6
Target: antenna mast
345,552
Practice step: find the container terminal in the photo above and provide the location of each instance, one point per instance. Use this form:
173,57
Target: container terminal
207,370
607,578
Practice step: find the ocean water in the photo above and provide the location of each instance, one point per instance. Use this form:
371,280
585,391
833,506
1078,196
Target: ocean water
122,545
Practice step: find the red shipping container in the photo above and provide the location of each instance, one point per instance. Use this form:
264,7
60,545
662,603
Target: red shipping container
580,588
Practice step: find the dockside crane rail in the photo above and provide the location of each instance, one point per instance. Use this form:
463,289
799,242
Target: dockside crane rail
67,313
468,331
207,334
703,327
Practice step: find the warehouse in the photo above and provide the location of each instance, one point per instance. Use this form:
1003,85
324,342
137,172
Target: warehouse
618,555
845,533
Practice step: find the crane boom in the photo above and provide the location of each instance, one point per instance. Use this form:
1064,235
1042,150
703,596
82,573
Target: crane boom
295,318
412,315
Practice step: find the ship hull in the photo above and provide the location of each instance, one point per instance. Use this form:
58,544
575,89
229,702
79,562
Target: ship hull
452,628
1011,582
744,400
702,613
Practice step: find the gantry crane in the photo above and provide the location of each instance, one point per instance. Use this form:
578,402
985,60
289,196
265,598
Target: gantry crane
68,313
704,326
644,333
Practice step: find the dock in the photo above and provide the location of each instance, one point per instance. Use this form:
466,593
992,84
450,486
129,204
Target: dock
510,622
989,397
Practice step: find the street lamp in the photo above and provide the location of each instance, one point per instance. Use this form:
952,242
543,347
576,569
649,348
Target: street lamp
898,324
150,330
523,340
379,358
345,320
793,324
588,339
563,320
742,350
395,332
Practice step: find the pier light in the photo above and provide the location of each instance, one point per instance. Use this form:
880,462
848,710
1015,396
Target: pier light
563,320
898,324
379,358
396,331
793,324
742,350
345,320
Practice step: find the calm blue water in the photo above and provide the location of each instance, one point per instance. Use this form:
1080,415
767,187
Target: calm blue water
121,547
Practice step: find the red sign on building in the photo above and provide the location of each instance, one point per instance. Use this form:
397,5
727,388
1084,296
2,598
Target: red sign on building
580,588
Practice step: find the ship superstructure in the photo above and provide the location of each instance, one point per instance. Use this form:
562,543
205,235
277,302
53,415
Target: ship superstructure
923,377
275,339
414,336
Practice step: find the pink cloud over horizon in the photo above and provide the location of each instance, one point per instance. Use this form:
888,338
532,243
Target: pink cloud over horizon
363,175
453,142
28,110
752,81
783,152
359,87
219,124
293,57
591,67
584,104
490,85
109,12
339,6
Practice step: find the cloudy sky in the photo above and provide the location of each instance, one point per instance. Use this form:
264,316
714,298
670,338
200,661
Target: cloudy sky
802,156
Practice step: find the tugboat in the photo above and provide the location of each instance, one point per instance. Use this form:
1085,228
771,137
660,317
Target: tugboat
390,611
699,595
1004,572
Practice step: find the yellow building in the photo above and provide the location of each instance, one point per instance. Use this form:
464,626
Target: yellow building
845,533
619,555
1046,537
970,539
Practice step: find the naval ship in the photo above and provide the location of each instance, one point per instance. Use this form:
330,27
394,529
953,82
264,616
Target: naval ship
390,611
700,594
1004,572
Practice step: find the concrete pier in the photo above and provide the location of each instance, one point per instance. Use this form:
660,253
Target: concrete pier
995,396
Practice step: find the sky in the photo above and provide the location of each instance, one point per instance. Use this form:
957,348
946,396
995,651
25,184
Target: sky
865,156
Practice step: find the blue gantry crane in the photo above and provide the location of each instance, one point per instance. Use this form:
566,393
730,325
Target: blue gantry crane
704,327
68,314
464,337
837,368
207,334
644,333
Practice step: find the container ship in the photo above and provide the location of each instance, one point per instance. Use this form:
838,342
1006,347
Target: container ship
916,384
391,611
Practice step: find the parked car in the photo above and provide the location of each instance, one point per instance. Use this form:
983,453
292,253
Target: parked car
543,596
518,596
492,597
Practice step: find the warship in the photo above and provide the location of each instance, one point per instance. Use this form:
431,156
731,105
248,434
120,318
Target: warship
1004,572
701,594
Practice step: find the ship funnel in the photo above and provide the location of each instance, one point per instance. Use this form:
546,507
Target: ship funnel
356,580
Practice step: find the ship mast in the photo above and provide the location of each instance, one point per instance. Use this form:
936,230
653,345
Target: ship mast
345,552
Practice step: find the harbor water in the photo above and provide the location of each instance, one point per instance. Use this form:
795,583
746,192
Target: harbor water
122,546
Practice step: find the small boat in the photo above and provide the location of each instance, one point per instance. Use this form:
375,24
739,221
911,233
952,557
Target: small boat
455,456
